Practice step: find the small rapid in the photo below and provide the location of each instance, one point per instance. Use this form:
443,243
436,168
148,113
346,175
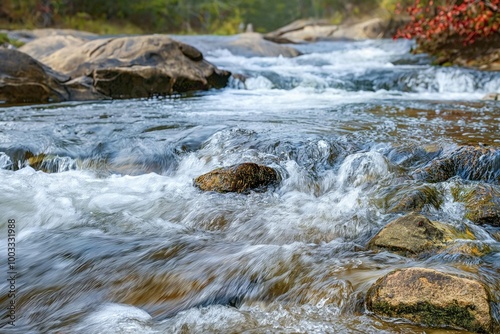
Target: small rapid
112,236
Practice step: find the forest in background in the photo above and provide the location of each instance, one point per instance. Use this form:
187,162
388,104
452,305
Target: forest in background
181,16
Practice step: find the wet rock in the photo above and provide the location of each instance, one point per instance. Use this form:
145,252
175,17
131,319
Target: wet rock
482,203
45,46
432,298
138,66
412,234
415,199
254,45
237,178
25,80
467,162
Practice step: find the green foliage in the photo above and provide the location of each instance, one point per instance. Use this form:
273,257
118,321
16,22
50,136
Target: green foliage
4,39
176,16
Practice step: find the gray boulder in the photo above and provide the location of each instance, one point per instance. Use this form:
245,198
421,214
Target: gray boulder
26,80
138,66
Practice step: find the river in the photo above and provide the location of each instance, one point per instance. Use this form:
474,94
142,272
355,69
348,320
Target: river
112,236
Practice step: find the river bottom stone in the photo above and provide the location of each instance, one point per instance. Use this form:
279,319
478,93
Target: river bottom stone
237,178
432,298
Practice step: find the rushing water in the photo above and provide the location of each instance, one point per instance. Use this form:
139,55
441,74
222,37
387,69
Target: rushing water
112,237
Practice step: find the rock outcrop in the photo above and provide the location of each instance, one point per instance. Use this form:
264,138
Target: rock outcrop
45,46
125,67
432,298
138,66
26,80
254,45
467,162
302,31
411,235
238,178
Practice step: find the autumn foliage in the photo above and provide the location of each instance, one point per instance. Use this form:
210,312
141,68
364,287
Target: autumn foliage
438,22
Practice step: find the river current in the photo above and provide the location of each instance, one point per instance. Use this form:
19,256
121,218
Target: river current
112,236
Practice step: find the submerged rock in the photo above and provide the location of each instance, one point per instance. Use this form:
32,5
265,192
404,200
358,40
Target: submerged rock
482,203
412,234
138,66
237,178
415,199
433,298
467,162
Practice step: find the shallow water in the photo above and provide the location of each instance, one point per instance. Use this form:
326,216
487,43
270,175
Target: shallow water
112,237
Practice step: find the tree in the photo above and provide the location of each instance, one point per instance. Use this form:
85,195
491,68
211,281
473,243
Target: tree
436,23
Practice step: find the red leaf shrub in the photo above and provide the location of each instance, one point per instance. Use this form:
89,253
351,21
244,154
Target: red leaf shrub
436,22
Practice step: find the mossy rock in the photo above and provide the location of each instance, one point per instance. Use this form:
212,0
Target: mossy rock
238,178
411,235
482,203
415,199
432,298
467,162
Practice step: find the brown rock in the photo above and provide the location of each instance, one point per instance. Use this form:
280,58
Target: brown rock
138,66
482,203
301,31
373,28
414,199
432,298
412,234
468,162
25,80
254,45
237,178
45,46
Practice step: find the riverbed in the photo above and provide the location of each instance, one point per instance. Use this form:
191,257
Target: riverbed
111,236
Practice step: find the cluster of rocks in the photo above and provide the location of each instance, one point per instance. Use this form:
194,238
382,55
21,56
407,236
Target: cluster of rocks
429,296
421,295
66,67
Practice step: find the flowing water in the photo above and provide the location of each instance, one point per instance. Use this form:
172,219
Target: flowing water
112,237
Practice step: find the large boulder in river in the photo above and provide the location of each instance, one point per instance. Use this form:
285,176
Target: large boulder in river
432,298
45,46
25,80
27,36
237,178
482,203
138,66
467,162
412,234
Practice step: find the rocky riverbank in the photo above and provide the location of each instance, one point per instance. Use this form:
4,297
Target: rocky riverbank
65,67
